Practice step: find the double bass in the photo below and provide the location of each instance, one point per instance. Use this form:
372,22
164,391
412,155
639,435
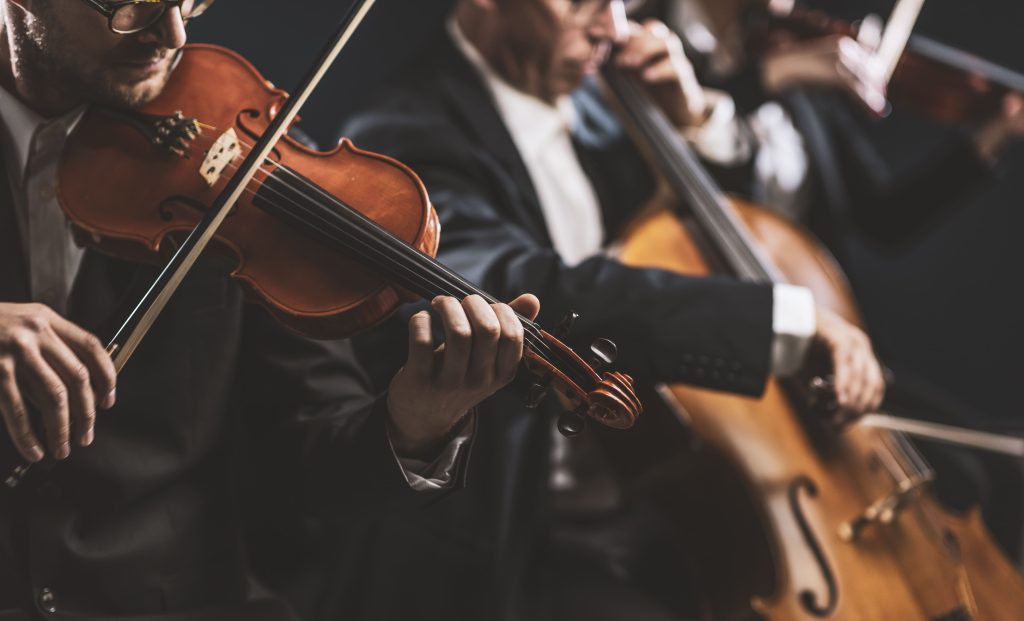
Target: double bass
787,514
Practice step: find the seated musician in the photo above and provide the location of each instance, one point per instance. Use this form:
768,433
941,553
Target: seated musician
133,515
714,35
533,177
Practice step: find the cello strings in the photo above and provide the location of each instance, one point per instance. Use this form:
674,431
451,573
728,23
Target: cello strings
533,338
679,162
706,201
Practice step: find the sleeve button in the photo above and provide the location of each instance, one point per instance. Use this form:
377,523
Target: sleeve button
47,600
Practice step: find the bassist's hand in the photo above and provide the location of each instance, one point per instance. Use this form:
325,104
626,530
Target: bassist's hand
859,382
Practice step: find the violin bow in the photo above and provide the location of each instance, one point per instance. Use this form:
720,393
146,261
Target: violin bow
896,35
958,436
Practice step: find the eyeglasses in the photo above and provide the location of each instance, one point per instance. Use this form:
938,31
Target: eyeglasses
586,12
131,16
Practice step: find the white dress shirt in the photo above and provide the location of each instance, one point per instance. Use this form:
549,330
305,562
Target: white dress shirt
32,147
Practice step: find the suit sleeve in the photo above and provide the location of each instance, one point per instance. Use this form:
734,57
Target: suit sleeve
314,416
891,177
706,331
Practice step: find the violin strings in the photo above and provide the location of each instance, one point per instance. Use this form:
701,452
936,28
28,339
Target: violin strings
466,287
423,265
533,338
273,190
404,253
539,344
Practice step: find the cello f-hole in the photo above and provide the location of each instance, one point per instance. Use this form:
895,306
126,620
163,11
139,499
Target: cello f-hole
809,599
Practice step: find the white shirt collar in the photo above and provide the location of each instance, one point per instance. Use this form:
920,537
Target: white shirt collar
533,122
21,123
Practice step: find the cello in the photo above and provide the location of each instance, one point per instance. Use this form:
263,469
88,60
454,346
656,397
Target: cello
799,517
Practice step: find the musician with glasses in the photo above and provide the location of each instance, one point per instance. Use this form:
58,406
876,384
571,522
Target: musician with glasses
131,513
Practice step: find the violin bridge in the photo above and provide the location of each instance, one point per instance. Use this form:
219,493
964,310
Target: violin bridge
222,153
884,511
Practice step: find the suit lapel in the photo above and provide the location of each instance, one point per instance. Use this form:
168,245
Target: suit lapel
14,284
479,116
618,173
102,287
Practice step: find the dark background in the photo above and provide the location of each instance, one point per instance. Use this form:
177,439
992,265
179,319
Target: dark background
283,37
945,307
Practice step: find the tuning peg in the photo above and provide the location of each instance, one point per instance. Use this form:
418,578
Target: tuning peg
571,424
561,331
16,476
536,394
603,353
821,385
821,397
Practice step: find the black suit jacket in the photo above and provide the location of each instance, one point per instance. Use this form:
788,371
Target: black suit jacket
892,178
468,556
147,523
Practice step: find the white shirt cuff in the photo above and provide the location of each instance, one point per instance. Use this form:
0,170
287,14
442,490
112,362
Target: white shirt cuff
440,473
794,325
721,138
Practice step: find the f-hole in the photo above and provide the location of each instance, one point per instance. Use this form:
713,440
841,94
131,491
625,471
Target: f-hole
809,599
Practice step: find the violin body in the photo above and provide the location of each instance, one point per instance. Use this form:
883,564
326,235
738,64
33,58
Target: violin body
951,86
934,80
767,497
132,214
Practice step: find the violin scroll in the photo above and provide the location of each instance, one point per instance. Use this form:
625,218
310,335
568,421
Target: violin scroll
607,398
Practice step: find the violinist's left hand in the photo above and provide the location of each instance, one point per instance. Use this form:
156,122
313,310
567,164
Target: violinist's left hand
859,382
835,61
437,386
656,54
1007,125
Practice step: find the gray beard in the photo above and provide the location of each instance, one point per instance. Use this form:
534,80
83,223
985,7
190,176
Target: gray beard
44,64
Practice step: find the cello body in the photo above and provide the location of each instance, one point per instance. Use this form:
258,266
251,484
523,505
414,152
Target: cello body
763,509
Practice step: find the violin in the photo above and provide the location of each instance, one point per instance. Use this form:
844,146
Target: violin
934,79
788,512
331,243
